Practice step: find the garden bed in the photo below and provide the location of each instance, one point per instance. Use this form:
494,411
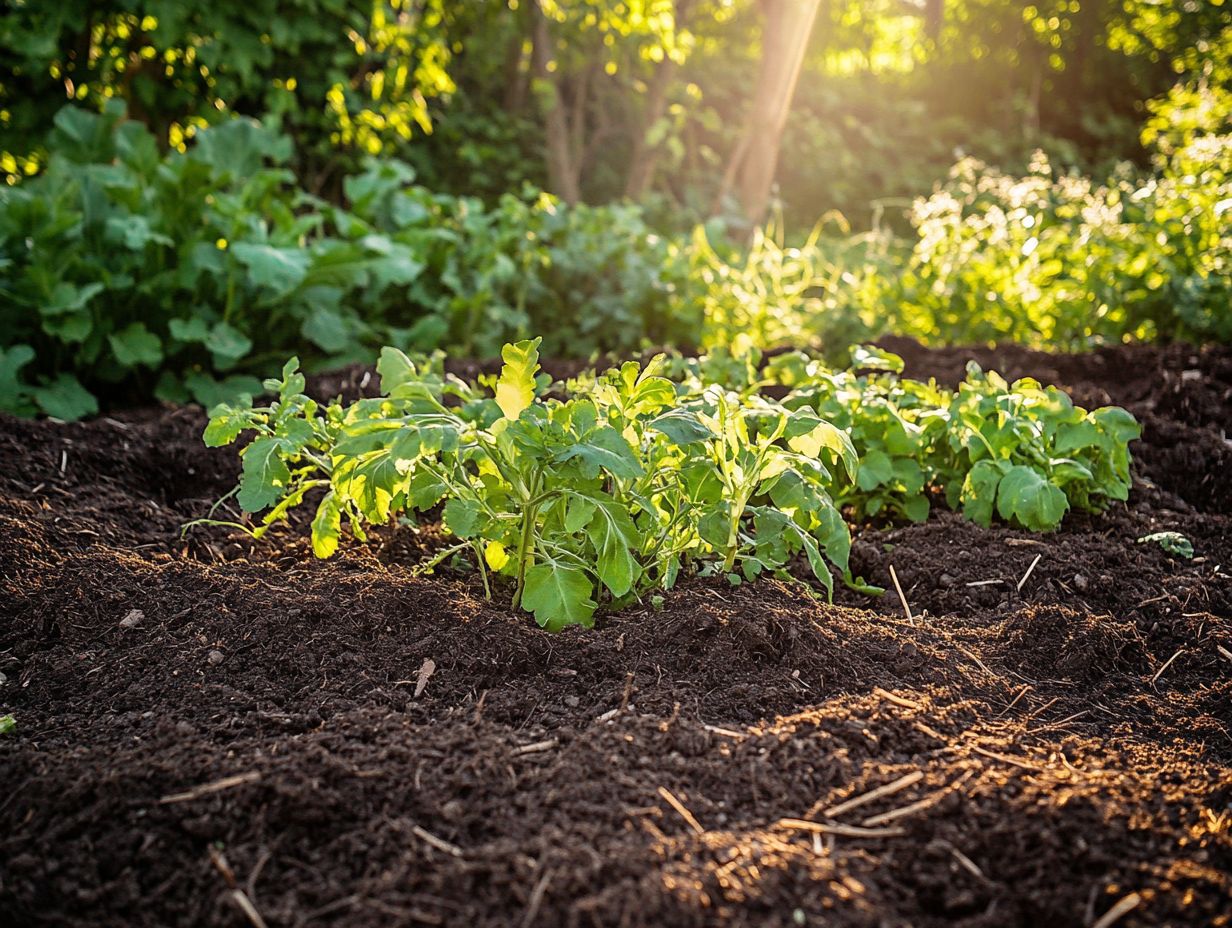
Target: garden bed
215,731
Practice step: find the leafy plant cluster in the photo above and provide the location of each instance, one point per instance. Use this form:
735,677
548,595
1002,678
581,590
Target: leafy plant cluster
130,273
610,486
1061,260
615,490
1021,451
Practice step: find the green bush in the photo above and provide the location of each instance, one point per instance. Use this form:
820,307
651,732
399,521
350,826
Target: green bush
131,273
1060,260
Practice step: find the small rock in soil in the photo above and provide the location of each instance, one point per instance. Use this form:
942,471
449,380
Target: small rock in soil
134,618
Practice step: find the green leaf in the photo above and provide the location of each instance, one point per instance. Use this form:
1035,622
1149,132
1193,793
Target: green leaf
605,449
1173,543
462,517
192,329
228,343
327,526
1026,495
326,329
265,475
8,724
279,269
979,491
12,390
613,533
225,426
558,595
872,358
135,344
681,427
65,398
515,390
876,468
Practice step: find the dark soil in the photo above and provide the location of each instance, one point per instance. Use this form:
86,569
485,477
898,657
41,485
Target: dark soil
218,732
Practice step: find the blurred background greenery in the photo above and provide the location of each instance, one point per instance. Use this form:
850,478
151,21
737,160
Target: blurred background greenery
194,191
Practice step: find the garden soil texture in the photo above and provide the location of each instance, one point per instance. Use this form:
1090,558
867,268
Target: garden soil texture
212,731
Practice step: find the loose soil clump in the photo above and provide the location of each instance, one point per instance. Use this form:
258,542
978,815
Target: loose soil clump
217,732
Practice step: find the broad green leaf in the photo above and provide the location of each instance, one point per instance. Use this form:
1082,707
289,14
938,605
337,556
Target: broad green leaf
876,468
463,517
327,526
225,426
65,398
681,426
228,343
605,449
12,391
135,344
328,330
515,390
872,358
192,329
279,269
264,477
979,491
558,595
1026,495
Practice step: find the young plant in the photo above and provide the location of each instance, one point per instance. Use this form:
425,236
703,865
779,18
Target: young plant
603,495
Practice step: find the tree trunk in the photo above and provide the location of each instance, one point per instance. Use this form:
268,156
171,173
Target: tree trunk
645,155
934,19
515,69
563,172
785,36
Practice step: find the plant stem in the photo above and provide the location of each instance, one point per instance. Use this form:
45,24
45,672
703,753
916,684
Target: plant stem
524,544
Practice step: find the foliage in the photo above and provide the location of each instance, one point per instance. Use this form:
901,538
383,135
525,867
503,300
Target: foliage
128,273
344,75
121,269
602,496
1023,452
1173,543
1064,261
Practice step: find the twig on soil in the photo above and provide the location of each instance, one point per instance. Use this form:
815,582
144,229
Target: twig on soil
1118,911
919,806
1159,673
725,732
207,789
535,747
834,828
895,814
681,810
897,700
887,790
238,896
984,582
439,843
425,674
1022,692
624,698
1028,573
1227,655
1053,725
966,862
608,715
901,597
1006,759
536,900
973,657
